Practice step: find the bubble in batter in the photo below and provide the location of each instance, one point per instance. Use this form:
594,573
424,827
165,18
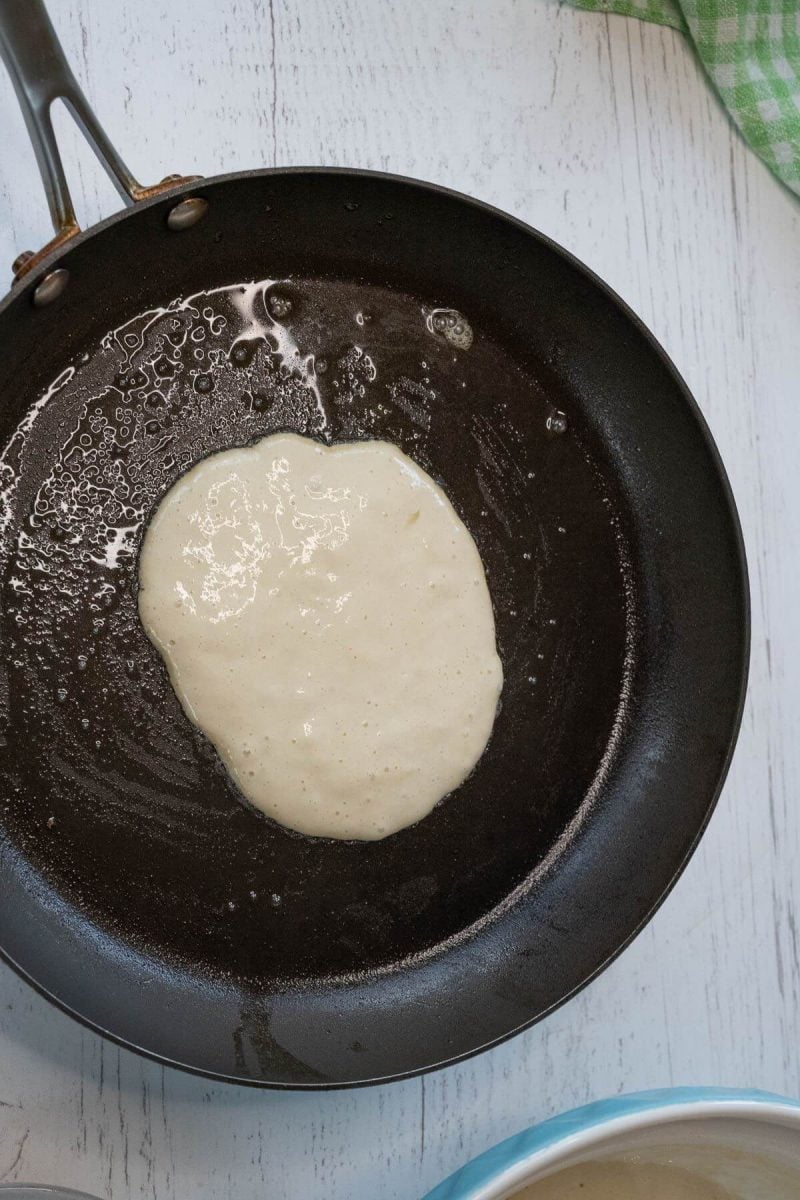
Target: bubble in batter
324,616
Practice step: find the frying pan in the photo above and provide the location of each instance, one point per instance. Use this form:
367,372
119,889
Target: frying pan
138,890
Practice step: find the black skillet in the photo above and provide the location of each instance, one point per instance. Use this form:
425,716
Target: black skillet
138,890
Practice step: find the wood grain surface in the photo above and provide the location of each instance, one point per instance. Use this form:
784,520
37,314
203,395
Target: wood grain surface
603,133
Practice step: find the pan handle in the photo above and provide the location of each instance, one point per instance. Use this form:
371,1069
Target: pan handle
41,74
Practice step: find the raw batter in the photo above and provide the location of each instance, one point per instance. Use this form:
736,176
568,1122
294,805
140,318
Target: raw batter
324,616
624,1181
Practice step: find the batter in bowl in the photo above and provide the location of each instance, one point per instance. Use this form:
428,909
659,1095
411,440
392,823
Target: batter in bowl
325,619
624,1181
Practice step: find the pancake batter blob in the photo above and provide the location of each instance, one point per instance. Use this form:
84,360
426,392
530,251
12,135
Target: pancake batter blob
325,620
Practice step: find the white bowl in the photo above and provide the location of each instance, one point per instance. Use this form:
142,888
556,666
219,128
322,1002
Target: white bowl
747,1142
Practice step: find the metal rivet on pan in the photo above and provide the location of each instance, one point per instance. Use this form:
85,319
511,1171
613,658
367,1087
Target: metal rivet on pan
187,213
20,261
50,288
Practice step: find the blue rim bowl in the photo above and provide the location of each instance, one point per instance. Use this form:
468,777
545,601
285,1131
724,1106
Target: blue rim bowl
574,1136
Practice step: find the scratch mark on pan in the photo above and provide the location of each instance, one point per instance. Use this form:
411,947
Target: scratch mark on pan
486,491
416,411
502,461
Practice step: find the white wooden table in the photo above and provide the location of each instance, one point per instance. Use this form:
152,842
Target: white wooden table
604,134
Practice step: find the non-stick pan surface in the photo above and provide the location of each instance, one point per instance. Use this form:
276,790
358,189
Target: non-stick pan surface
138,889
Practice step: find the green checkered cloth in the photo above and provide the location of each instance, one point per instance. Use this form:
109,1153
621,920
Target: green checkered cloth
751,50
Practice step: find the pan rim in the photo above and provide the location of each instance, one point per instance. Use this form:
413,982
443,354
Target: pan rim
23,289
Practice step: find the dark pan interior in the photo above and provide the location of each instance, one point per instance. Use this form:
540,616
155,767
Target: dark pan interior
138,889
